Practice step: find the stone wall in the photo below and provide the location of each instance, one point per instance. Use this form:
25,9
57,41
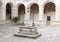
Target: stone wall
27,3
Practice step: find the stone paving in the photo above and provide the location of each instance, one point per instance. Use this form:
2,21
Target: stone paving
50,33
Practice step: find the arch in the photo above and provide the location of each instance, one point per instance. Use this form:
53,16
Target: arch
10,3
45,2
34,12
49,11
19,3
49,7
21,12
8,11
31,3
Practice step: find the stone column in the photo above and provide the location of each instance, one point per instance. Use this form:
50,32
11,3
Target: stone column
3,12
14,11
57,13
41,13
27,13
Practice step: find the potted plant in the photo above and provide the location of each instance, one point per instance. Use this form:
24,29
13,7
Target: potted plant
15,20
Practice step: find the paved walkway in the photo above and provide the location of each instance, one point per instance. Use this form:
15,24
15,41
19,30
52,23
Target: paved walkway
49,34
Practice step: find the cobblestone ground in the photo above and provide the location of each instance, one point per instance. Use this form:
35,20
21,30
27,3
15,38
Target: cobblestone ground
50,33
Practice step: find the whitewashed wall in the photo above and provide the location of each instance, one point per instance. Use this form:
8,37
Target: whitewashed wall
27,4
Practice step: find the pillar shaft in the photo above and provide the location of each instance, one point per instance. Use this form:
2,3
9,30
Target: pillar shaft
14,12
57,13
27,14
3,12
41,13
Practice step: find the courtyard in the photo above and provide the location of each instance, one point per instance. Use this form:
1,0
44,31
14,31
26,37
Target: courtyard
50,33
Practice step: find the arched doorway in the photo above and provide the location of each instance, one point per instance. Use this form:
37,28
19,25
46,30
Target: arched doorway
21,12
49,12
8,11
34,12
